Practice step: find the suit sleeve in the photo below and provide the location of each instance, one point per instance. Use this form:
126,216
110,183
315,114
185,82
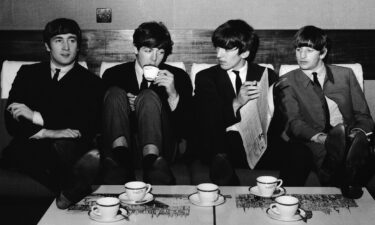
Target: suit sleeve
183,112
22,128
296,126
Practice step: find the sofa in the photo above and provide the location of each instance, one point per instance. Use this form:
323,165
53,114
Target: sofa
194,172
192,47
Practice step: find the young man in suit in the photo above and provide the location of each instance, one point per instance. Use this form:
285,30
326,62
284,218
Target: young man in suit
327,116
220,93
52,113
156,111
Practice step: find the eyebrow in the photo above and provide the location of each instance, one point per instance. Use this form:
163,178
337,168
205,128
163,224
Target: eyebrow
69,37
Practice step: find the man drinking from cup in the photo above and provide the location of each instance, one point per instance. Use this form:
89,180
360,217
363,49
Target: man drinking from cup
149,98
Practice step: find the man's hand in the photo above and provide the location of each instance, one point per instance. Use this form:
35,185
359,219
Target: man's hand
20,110
248,91
65,133
131,99
321,139
166,79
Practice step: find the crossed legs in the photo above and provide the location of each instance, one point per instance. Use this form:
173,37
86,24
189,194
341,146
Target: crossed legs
147,122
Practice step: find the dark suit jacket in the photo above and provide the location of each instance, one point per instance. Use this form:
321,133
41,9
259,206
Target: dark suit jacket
124,76
74,103
214,95
303,108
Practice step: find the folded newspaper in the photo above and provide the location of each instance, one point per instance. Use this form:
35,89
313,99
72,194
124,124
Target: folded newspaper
255,119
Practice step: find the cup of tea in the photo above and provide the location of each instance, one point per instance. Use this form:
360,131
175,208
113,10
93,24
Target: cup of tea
268,184
208,192
150,72
107,208
136,190
286,206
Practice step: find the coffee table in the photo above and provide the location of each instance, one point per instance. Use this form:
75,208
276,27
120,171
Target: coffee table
171,206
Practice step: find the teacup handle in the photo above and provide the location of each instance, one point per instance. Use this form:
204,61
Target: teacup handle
280,183
148,189
218,195
95,210
274,208
124,212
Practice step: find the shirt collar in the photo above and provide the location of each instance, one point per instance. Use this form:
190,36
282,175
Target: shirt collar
138,72
138,69
63,70
321,71
243,71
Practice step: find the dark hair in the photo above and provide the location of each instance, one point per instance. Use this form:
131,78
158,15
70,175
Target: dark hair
235,34
61,26
153,35
313,37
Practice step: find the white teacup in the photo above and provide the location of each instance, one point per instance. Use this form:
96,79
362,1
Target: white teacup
268,184
107,208
285,206
150,72
208,192
136,190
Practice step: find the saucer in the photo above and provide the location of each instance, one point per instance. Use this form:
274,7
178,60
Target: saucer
296,217
125,199
97,218
194,198
278,192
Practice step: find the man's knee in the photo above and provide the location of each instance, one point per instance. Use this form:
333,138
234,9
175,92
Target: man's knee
114,95
149,99
148,95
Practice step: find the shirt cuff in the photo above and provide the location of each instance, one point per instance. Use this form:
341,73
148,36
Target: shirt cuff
38,119
315,137
173,102
38,135
358,129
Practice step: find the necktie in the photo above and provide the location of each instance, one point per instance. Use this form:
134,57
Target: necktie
319,91
316,81
144,84
238,80
56,75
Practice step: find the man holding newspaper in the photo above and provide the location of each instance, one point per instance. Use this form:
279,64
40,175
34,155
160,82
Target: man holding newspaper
232,107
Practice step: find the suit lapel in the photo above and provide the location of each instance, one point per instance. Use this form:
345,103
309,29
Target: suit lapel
132,76
250,73
303,79
225,84
329,77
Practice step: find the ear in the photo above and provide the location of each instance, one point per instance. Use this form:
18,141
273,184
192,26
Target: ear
135,50
323,53
244,55
47,47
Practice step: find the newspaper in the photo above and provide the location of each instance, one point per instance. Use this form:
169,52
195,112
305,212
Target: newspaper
255,118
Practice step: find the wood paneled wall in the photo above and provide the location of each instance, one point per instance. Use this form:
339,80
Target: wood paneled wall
193,46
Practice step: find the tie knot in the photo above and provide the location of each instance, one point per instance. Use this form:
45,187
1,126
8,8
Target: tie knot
316,80
56,75
236,72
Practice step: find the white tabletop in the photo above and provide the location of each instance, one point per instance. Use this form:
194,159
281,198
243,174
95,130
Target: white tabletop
178,210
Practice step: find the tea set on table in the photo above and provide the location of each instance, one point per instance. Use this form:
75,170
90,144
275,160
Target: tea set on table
285,207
